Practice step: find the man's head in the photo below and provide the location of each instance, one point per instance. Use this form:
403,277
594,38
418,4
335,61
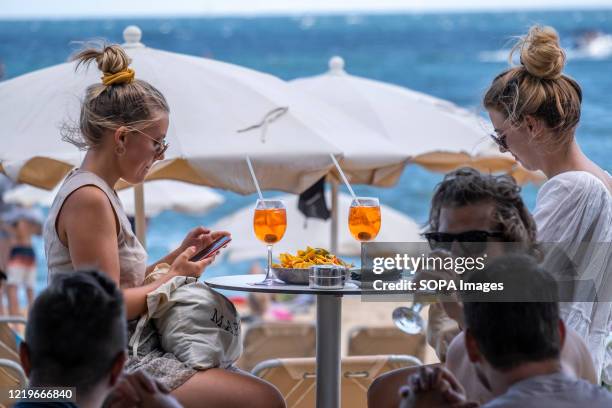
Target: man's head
516,327
76,333
476,208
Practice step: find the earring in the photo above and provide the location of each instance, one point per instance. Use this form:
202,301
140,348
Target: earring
120,150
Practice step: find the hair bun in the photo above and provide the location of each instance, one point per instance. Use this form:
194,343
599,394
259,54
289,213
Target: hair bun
113,59
109,58
541,53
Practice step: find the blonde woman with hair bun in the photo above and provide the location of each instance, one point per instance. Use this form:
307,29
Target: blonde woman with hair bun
122,128
535,109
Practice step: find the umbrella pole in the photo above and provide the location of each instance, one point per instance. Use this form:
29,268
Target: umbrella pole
141,223
334,217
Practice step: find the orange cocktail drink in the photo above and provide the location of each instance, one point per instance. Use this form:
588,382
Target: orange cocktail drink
364,218
270,224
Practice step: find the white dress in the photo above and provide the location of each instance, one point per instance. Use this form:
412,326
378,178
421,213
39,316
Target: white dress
574,209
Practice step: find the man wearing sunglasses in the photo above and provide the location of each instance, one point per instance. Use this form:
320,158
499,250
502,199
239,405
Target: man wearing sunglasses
473,214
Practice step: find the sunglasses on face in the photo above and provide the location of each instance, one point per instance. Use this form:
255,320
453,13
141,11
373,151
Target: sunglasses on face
160,147
500,141
471,242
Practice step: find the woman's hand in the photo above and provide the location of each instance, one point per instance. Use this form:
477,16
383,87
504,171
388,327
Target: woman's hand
182,266
200,238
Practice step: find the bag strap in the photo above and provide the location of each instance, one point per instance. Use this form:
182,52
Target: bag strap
135,339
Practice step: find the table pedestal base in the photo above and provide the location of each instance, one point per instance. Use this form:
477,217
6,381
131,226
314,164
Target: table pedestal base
329,309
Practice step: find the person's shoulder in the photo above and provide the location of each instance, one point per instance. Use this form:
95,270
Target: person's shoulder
572,187
595,395
88,198
576,182
88,205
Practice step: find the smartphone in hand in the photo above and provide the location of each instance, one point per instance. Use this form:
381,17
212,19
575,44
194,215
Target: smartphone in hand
211,249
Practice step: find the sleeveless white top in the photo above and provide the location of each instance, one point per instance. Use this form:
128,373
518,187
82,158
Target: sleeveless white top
575,209
132,256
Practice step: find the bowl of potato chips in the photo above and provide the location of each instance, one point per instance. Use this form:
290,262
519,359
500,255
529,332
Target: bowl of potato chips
293,269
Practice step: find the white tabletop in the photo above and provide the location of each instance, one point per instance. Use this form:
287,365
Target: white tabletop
242,283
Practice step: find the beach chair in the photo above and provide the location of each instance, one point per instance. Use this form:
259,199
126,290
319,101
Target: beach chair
11,372
11,377
295,377
267,340
367,341
8,335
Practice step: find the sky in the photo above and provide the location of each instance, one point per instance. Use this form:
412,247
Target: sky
10,9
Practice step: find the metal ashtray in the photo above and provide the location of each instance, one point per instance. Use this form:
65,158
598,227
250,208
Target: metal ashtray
327,276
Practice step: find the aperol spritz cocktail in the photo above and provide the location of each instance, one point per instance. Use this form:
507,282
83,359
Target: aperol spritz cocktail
270,224
364,218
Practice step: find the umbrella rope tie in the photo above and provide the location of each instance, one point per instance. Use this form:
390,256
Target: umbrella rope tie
269,118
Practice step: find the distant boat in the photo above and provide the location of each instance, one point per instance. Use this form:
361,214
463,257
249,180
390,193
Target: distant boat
589,45
593,44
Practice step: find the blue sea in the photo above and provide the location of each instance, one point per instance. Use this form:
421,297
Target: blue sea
451,56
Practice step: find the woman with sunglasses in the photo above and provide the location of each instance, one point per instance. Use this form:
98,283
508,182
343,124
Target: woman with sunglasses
535,109
123,125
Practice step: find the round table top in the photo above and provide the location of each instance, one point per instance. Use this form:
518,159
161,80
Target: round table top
244,283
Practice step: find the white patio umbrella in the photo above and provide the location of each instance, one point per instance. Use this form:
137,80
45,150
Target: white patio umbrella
33,215
395,227
160,195
435,133
220,113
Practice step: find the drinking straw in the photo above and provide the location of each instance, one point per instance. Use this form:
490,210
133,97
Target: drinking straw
248,159
343,176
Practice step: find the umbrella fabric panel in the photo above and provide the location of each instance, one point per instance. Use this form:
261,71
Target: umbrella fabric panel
159,196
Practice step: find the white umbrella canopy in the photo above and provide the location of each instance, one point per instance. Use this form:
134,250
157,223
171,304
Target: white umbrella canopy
32,215
29,196
160,195
395,227
435,133
210,102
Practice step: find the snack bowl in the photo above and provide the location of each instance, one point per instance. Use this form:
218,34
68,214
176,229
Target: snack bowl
292,276
300,276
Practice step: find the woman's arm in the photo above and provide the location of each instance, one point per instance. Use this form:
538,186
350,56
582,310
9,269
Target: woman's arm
88,227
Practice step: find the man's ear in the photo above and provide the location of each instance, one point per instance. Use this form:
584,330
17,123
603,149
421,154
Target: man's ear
24,356
562,334
117,368
471,347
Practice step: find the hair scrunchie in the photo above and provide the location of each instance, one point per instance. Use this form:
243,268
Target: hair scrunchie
122,77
